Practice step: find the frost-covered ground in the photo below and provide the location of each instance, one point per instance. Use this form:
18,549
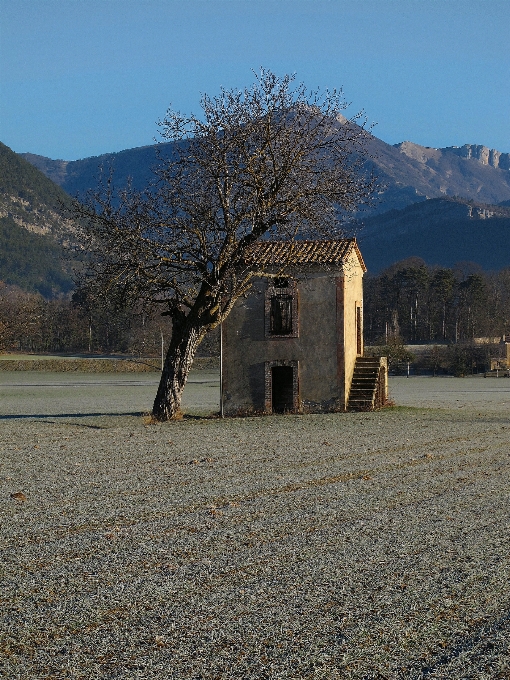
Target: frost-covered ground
369,545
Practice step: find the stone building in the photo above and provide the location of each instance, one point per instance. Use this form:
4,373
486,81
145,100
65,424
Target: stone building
295,342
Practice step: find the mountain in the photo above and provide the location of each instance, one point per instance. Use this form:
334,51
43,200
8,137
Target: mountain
441,231
418,212
407,172
32,229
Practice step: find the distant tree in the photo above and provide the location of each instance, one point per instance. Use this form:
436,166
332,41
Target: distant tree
474,305
270,161
395,350
442,290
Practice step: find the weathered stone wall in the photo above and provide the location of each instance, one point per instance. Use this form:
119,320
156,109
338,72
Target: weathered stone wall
246,347
324,339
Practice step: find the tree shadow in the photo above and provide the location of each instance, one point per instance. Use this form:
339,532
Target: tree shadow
40,416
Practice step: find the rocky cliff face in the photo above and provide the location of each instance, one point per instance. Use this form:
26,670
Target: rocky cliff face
30,199
481,153
486,156
32,228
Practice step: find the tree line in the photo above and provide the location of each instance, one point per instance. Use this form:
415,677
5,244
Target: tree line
31,323
409,303
420,304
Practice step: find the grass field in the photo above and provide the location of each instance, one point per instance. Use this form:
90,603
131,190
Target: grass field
363,545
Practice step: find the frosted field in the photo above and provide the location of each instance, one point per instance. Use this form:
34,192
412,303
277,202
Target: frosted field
365,545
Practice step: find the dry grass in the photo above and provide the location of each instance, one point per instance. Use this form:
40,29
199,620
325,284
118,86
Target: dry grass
370,545
24,362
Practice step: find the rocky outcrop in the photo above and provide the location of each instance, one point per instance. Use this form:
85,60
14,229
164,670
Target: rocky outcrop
486,156
423,154
481,153
29,199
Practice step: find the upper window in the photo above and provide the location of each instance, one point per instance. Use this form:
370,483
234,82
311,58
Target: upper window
281,309
280,320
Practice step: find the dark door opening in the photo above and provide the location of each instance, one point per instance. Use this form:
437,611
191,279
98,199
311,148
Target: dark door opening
282,379
359,332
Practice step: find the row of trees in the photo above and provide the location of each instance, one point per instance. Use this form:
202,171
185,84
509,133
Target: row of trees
31,323
421,304
477,305
408,303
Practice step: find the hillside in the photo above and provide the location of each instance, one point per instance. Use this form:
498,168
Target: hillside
32,229
30,197
442,231
33,262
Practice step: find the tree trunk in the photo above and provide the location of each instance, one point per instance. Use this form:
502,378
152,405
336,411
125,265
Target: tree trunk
179,359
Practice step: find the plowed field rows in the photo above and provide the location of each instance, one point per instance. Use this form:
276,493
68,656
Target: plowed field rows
361,545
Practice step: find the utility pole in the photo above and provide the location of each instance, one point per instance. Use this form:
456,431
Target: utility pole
222,414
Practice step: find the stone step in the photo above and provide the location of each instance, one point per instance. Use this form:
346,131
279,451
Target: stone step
362,395
365,394
361,405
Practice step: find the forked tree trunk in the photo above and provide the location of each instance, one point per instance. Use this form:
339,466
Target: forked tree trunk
179,359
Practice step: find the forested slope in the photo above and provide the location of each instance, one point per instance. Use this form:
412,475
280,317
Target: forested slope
32,228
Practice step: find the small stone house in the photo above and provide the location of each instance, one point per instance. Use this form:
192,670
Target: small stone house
294,343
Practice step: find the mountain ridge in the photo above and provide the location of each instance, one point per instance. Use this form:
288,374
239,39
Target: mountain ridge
443,205
486,156
407,172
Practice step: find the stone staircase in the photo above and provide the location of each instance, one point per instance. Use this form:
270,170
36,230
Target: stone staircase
369,386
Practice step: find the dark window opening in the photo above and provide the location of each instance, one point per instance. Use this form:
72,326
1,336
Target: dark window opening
359,331
280,315
282,383
281,283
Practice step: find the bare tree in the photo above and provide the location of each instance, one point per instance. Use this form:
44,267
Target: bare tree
271,161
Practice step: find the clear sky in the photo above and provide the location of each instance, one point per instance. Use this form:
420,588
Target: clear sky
85,77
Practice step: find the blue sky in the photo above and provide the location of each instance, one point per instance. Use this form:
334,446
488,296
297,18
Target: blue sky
85,77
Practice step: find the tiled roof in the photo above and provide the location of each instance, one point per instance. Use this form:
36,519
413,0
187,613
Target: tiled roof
281,253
